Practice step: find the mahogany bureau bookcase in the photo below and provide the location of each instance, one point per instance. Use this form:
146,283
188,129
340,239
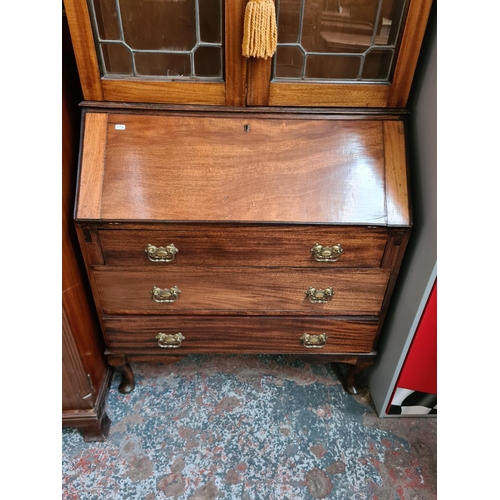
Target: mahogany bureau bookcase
243,205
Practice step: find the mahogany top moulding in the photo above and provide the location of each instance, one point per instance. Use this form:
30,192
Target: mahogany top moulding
243,168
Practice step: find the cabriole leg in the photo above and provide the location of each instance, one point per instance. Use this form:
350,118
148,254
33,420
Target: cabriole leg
120,363
351,377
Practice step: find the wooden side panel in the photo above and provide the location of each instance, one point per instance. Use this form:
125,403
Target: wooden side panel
82,342
91,255
249,291
325,94
83,44
411,43
92,166
393,257
396,179
164,92
243,335
76,391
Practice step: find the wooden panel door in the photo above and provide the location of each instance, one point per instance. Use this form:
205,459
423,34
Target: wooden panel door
354,53
182,52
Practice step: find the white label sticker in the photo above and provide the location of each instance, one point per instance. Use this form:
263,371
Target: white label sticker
119,127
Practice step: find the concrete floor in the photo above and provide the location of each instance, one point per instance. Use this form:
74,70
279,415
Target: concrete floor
249,427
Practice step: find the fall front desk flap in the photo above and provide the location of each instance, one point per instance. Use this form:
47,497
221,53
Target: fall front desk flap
243,168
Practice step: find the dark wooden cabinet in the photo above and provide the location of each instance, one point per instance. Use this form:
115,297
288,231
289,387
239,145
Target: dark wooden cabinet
85,373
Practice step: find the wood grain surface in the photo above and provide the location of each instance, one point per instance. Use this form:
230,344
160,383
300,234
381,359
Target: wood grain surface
242,168
92,166
396,179
245,335
245,291
328,94
235,67
258,82
185,92
244,246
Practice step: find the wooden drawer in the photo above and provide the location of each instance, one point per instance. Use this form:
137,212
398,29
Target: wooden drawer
229,334
243,291
245,246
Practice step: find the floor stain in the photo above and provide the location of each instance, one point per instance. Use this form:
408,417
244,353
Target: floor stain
336,467
318,484
141,469
206,492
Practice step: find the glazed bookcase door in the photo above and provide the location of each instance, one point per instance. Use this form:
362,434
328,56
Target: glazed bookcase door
165,51
356,53
345,53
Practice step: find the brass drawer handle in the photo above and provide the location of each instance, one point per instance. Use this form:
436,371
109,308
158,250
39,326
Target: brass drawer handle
317,296
161,254
165,294
327,254
169,341
314,341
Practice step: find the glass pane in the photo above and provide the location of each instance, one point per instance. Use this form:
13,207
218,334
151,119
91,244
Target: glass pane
288,21
160,38
392,13
289,62
208,61
161,64
320,28
312,27
107,20
118,59
332,67
377,64
210,21
159,25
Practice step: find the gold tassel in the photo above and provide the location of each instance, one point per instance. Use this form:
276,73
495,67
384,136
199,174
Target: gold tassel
260,34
